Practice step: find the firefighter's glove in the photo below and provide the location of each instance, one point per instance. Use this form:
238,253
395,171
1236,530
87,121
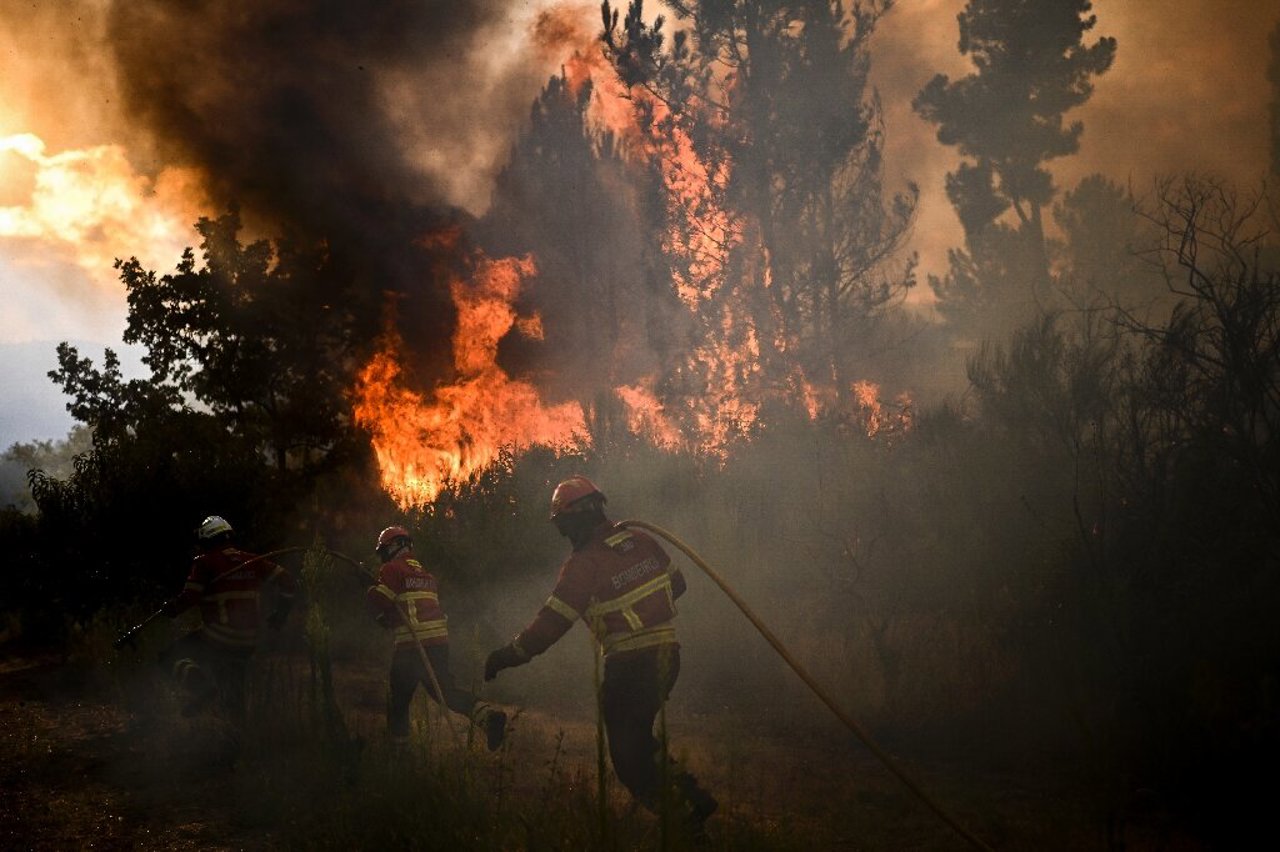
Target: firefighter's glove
508,656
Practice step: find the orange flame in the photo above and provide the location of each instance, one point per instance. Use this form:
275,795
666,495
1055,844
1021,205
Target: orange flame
872,413
647,416
427,443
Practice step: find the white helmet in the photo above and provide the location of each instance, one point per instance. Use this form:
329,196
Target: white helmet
212,527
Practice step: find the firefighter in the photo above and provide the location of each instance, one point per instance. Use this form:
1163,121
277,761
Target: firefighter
621,583
228,584
406,599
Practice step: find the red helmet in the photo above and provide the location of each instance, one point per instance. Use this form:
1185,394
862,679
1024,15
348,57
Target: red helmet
571,493
390,535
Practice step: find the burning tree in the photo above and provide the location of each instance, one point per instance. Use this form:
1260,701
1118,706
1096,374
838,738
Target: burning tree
777,226
691,243
572,199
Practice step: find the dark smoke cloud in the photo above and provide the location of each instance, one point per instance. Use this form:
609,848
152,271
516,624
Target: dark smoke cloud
281,101
324,117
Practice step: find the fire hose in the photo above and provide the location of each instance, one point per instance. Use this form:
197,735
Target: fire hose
849,722
129,634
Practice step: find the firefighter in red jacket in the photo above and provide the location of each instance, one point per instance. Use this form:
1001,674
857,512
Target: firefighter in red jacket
228,584
406,599
621,583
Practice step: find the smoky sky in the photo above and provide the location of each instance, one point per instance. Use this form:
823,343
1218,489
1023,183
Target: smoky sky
1187,92
280,101
373,121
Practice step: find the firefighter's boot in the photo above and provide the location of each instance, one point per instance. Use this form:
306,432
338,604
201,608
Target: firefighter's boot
494,724
699,806
198,686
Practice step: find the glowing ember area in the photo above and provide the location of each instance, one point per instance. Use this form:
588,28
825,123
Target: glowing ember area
426,443
93,204
875,418
647,416
702,232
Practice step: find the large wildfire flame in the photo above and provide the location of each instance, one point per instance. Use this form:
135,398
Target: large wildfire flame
427,442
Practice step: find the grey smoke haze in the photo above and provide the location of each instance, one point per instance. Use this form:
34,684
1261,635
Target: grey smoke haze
309,108
1188,91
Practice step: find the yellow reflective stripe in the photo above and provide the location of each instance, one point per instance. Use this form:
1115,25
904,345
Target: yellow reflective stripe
560,607
663,635
631,598
617,537
385,592
409,597
230,596
633,620
423,630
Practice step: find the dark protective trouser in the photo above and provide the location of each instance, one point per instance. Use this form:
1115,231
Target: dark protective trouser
206,669
407,672
636,684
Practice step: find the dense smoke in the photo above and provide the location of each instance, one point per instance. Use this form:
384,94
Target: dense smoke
363,127
297,108
319,117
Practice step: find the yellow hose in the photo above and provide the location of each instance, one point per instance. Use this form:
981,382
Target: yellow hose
823,696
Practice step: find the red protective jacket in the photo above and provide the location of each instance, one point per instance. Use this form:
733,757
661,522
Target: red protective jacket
407,597
621,584
230,596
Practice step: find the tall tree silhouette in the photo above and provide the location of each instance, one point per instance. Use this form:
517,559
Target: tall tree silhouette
1007,118
792,220
251,353
1100,259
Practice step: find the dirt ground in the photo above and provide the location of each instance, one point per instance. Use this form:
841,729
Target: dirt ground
79,770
